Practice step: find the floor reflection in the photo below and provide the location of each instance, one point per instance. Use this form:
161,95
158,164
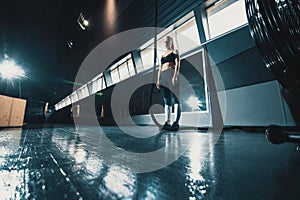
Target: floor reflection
55,163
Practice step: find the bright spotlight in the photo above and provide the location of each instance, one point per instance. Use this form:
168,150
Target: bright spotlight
85,22
9,70
193,102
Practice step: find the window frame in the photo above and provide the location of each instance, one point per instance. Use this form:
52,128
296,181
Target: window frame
117,66
220,5
171,30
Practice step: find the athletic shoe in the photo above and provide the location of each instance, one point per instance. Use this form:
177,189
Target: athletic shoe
174,127
166,127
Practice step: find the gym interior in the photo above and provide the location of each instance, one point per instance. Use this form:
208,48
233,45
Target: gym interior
81,116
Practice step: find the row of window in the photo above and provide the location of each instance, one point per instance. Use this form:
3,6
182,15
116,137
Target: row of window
95,85
219,18
122,70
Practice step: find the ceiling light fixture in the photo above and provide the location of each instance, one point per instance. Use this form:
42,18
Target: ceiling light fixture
82,22
10,70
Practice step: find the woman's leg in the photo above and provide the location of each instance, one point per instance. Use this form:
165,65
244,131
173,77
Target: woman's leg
165,89
167,102
167,113
177,108
177,112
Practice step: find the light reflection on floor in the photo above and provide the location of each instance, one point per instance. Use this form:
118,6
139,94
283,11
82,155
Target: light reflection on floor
55,163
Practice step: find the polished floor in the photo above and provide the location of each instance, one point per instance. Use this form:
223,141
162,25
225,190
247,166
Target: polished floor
64,162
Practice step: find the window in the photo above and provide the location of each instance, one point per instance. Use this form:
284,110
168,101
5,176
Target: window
131,67
90,87
74,97
63,103
123,70
187,36
83,92
97,85
115,76
224,16
139,68
148,57
103,84
59,105
68,101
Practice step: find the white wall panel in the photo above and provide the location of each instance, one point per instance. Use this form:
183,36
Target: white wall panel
255,105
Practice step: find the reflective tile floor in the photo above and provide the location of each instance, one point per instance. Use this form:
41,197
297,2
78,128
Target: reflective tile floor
64,162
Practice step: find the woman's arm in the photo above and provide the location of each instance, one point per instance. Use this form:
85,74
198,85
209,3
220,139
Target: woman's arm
177,68
158,77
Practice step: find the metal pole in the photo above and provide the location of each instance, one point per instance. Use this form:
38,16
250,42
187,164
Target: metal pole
20,90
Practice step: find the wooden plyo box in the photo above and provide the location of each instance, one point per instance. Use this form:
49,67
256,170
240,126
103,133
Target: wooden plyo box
12,111
5,108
